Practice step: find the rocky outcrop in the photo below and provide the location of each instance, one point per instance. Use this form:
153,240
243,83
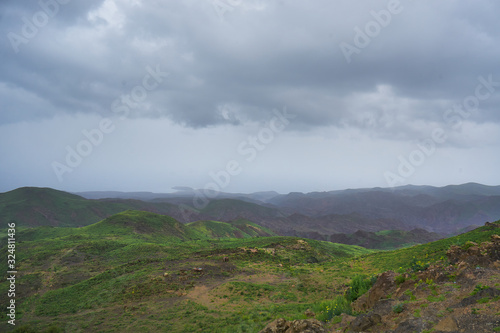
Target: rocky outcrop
461,297
379,290
297,326
365,321
473,254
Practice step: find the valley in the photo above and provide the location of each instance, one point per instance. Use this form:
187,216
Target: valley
138,270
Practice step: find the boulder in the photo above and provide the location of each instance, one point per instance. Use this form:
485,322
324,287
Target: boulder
296,326
347,320
307,326
278,326
383,307
447,325
412,325
492,225
380,290
365,321
309,313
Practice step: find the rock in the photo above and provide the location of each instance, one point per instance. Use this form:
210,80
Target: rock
476,255
278,326
383,307
365,321
492,225
379,290
296,326
455,254
447,325
347,320
474,251
488,292
410,325
309,313
307,326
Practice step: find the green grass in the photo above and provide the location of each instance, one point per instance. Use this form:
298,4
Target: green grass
237,229
110,276
418,256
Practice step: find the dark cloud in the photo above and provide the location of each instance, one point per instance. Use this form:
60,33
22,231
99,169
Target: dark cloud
232,69
259,56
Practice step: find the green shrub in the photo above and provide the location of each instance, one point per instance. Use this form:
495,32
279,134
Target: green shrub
417,265
398,308
400,279
326,310
409,293
478,288
434,299
359,285
468,245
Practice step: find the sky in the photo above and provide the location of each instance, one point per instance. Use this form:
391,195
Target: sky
248,95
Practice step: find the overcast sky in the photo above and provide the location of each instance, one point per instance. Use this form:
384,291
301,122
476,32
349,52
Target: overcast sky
248,95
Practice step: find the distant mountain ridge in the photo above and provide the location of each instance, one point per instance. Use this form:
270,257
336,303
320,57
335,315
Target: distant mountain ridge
444,210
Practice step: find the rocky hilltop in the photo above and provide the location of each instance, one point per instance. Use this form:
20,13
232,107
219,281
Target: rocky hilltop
462,295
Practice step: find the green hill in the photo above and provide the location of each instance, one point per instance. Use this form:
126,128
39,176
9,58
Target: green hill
35,207
32,207
138,271
144,225
85,275
427,253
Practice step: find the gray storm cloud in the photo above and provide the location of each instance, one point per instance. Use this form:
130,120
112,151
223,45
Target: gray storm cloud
258,56
394,70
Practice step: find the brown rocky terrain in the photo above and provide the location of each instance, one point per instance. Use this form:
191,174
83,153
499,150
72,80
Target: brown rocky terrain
295,326
462,296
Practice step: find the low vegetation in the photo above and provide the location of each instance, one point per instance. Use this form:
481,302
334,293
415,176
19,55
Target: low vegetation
141,272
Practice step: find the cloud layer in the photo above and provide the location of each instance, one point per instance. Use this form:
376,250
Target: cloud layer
412,67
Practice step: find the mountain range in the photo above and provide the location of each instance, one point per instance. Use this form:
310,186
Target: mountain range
319,215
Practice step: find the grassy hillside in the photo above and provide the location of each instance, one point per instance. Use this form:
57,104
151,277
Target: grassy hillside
235,229
109,275
32,207
425,253
386,239
145,226
134,272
